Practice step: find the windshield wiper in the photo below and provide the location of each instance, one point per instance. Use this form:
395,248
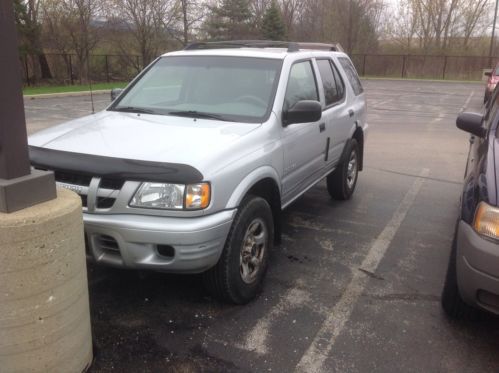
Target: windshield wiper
197,114
134,109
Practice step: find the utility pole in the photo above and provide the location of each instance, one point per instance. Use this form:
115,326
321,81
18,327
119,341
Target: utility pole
20,187
492,39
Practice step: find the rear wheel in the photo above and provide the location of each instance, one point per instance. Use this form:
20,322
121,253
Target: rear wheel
342,181
238,275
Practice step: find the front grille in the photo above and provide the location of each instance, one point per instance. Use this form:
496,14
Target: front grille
83,200
105,202
106,193
72,178
115,184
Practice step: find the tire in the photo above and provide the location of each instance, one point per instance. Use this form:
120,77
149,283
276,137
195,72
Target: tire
452,303
235,278
342,181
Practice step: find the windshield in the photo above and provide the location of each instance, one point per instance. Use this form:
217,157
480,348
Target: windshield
212,87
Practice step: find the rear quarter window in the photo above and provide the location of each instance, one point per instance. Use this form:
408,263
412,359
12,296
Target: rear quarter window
352,75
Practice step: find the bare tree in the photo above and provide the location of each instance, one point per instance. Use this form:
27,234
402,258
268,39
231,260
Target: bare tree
474,19
27,15
141,26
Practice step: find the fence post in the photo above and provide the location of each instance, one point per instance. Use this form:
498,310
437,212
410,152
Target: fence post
403,65
445,67
71,71
364,66
107,68
26,69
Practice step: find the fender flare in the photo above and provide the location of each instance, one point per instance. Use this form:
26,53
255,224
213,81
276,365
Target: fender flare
249,181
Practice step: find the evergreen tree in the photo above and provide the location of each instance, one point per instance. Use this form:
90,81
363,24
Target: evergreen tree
230,20
272,24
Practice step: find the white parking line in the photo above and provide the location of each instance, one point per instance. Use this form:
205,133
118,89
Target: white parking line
315,356
256,340
466,103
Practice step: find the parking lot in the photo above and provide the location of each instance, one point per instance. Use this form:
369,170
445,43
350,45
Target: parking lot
353,287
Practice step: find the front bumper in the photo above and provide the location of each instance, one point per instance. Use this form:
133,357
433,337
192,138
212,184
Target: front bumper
477,269
166,244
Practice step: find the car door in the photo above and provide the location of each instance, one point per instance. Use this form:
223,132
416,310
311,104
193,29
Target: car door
303,143
337,115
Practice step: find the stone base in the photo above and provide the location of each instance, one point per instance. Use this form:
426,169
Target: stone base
44,308
26,191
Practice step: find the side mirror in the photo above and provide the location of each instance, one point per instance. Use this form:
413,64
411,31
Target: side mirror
303,112
115,92
472,123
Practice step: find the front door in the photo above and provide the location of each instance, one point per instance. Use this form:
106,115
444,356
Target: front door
303,143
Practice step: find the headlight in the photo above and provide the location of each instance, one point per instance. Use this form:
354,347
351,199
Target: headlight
486,220
172,196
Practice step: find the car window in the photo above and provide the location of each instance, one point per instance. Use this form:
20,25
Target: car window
331,92
340,84
352,76
492,107
301,84
239,89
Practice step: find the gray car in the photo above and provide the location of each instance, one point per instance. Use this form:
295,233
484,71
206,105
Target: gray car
188,169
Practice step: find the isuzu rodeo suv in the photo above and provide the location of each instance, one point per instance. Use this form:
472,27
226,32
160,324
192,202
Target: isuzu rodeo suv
189,167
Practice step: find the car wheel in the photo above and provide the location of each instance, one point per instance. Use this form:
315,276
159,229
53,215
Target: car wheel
452,303
342,181
238,275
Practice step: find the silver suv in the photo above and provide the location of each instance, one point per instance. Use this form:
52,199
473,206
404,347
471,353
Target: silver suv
190,166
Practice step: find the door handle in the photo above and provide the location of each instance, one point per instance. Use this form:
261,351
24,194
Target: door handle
322,127
351,113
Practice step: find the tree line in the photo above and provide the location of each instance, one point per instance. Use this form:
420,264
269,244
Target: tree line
148,28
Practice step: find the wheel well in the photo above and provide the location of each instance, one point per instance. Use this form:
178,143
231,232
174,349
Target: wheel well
268,190
359,136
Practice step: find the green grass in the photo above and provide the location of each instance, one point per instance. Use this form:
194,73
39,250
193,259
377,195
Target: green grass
71,88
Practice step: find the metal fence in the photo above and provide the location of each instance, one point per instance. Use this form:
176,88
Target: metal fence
423,66
67,69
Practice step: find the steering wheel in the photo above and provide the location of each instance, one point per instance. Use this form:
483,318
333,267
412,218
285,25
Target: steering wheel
251,99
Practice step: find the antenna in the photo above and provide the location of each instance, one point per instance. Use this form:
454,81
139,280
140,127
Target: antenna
89,81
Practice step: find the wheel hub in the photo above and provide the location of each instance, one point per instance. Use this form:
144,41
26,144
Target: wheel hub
252,250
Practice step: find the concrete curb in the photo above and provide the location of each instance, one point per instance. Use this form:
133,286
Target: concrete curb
44,308
67,94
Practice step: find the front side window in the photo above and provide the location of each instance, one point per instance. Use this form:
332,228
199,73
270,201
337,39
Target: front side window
301,85
227,88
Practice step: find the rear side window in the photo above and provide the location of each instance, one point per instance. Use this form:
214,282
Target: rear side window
352,76
301,85
333,86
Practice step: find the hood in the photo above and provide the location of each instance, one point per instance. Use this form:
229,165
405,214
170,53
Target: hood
145,137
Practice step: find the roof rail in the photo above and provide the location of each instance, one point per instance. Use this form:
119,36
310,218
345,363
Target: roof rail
290,45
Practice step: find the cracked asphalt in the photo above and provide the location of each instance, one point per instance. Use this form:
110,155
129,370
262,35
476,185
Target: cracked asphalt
353,287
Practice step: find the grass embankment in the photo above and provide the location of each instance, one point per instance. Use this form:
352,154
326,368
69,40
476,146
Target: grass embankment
71,88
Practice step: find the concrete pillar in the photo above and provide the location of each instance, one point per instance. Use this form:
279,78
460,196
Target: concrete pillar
44,309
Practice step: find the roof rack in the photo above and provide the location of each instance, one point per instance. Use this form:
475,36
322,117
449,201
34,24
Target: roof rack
291,46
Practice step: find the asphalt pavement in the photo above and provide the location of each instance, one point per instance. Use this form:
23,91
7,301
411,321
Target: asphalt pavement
353,287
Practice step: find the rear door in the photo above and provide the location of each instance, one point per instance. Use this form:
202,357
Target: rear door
357,101
337,115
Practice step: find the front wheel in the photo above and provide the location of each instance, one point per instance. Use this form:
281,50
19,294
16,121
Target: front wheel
452,303
342,181
238,275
